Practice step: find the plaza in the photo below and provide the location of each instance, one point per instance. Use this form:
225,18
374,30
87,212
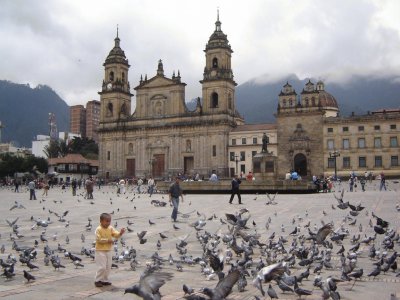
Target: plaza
77,283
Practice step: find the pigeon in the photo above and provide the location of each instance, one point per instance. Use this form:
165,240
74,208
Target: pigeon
28,276
149,285
187,289
17,205
271,292
224,286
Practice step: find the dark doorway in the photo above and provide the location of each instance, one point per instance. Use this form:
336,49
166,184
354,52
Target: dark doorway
159,165
188,164
300,164
130,167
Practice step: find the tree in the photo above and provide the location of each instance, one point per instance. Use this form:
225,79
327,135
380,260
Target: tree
52,150
11,164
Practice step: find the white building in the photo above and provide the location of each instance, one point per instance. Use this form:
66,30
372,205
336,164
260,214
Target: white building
42,141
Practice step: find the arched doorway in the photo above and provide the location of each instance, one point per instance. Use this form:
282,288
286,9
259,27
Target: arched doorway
300,164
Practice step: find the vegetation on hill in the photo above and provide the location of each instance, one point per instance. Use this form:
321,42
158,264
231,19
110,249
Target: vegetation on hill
24,111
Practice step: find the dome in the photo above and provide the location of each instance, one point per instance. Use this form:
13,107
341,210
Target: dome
116,55
218,39
327,100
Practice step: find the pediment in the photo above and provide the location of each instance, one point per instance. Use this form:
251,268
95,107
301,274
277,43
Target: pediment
158,81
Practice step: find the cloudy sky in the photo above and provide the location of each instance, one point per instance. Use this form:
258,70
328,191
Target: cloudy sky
63,43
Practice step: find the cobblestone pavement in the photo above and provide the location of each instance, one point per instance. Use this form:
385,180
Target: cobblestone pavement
72,283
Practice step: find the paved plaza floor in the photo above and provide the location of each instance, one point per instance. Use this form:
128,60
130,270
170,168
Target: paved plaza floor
78,283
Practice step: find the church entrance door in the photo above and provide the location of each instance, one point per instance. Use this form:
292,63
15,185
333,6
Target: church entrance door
159,165
130,167
188,164
300,164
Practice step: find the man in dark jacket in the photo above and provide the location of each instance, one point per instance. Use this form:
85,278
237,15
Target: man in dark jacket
235,189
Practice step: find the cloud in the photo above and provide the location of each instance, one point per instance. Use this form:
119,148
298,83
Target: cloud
64,43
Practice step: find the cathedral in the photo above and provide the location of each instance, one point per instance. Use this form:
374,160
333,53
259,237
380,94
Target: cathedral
163,137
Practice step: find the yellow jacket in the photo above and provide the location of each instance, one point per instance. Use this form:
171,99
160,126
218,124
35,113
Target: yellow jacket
103,236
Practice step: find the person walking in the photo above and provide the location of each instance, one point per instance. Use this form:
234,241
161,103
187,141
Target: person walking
383,182
46,188
16,184
235,189
103,255
150,184
74,185
362,182
139,184
351,183
175,191
32,186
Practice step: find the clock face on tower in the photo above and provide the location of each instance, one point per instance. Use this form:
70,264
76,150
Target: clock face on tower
109,86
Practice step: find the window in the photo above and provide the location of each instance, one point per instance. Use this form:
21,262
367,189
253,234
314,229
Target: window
253,153
232,156
214,100
377,142
242,155
331,162
215,62
290,102
330,129
360,128
393,126
284,102
346,162
362,162
255,141
394,161
393,141
331,144
233,142
345,129
346,144
61,167
244,141
111,76
361,143
123,77
307,102
243,169
108,155
378,161
73,167
214,150
377,127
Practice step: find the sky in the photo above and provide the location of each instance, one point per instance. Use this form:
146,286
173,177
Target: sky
63,43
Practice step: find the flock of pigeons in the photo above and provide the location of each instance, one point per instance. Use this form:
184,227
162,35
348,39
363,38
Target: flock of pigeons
241,255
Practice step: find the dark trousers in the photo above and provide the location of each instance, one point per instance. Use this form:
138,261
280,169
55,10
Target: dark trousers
235,192
32,195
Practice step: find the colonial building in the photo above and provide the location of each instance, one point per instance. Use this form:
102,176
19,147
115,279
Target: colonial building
72,166
311,133
163,137
245,141
300,128
366,143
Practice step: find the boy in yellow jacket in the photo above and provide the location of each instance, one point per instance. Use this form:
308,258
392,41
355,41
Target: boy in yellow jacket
104,241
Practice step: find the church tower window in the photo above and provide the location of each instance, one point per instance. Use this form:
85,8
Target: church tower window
110,109
111,76
215,62
307,102
290,102
313,101
123,77
214,100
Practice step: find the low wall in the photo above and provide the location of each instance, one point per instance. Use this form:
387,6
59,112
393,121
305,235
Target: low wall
250,187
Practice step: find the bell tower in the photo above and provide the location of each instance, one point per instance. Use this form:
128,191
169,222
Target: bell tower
115,96
218,86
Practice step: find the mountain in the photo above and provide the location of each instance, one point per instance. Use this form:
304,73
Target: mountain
24,111
257,102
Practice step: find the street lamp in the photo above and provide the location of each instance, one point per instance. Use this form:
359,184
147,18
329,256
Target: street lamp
237,163
334,155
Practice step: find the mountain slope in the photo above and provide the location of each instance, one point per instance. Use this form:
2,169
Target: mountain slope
257,102
24,112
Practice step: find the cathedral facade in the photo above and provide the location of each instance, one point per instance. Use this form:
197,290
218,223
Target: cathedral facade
163,137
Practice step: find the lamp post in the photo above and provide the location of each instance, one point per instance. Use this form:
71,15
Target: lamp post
334,155
237,164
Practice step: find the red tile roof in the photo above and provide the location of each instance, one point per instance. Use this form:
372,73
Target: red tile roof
73,159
